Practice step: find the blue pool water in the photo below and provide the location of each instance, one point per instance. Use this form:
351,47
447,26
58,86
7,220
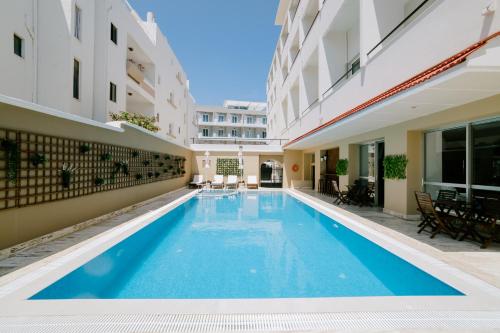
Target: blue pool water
266,245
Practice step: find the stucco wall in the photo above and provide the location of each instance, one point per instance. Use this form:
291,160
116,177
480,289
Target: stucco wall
22,224
405,138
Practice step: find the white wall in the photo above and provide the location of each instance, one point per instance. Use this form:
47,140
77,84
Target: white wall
346,28
45,74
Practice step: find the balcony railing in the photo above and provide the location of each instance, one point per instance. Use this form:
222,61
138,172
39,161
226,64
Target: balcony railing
238,140
343,77
406,19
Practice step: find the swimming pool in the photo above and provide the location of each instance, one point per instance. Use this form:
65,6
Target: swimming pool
254,245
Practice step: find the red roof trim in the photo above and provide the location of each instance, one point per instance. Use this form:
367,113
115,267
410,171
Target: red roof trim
426,75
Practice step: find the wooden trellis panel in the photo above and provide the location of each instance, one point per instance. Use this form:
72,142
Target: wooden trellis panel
23,184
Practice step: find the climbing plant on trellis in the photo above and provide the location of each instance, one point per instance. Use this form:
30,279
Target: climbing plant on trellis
228,166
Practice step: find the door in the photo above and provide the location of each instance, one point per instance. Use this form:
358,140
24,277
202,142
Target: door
379,186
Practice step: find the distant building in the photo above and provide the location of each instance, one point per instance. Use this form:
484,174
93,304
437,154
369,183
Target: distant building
236,121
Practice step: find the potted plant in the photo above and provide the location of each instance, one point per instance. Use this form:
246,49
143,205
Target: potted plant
146,163
135,154
167,157
84,148
106,157
37,159
161,164
122,166
156,156
11,158
99,181
157,174
138,176
150,174
67,171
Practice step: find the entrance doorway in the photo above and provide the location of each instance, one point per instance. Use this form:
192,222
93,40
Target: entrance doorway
371,169
271,174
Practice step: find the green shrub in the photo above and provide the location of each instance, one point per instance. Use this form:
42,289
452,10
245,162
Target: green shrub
146,122
99,181
342,167
395,166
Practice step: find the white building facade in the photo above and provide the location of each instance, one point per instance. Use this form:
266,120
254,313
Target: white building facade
235,121
334,55
363,81
91,58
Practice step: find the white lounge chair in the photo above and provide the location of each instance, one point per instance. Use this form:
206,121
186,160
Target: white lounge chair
252,182
232,181
197,181
218,181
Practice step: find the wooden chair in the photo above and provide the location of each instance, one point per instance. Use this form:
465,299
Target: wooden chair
487,228
443,197
340,196
431,218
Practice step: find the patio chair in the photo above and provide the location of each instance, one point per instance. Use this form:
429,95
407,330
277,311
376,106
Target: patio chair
340,197
197,181
439,223
232,182
443,197
252,182
218,182
486,226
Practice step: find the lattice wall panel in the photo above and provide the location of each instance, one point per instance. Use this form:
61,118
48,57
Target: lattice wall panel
97,167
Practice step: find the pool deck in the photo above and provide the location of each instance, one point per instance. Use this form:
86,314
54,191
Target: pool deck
461,263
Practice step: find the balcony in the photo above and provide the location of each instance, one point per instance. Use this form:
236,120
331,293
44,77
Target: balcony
140,68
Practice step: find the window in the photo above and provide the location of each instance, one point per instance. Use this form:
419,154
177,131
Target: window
157,117
220,133
76,79
446,156
112,92
78,22
235,119
486,154
234,133
221,118
18,46
264,120
250,120
114,34
264,135
205,118
204,132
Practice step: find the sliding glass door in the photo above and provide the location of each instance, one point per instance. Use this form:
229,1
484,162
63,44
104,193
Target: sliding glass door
465,158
